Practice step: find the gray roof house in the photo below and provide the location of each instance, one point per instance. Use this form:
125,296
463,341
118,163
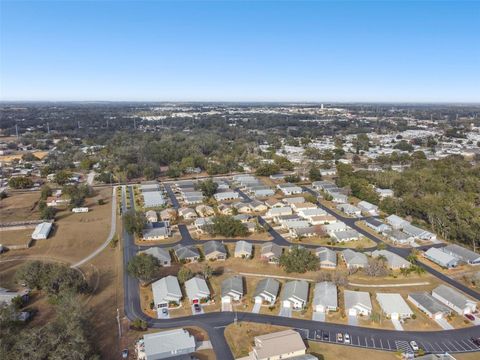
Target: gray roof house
166,290
166,344
396,221
162,255
454,299
418,233
42,231
462,254
325,297
271,252
357,303
441,258
214,250
377,225
232,288
197,290
345,235
429,305
394,261
243,249
354,259
368,208
398,237
295,294
157,231
187,253
394,306
327,258
266,290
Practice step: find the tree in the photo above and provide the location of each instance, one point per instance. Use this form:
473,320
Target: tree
362,143
47,212
62,177
227,226
292,178
376,267
299,260
45,192
404,146
207,271
144,267
314,174
20,182
267,170
135,222
184,274
208,187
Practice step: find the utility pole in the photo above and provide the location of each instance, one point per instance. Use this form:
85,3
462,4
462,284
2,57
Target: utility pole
16,130
118,322
48,128
134,123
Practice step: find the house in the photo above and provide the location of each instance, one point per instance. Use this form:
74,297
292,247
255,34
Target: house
325,297
338,197
298,207
272,203
289,189
258,206
205,210
270,252
309,213
42,231
226,195
53,201
349,209
80,210
225,209
287,344
168,214
294,224
152,199
264,192
396,221
232,288
418,233
214,250
242,207
462,254
166,291
266,291
307,231
377,225
336,226
243,249
242,217
197,290
323,220
441,258
368,208
279,211
429,305
346,235
151,216
384,193
357,303
202,224
187,213
394,261
398,237
165,345
187,253
353,259
454,299
294,200
393,306
7,296
326,257
162,255
157,231
295,294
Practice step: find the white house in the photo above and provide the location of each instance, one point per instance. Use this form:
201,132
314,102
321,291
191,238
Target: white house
266,291
394,306
441,258
197,290
368,208
295,294
454,299
357,303
166,291
325,297
42,231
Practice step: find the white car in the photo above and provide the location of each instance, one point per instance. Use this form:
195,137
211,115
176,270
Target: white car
414,346
346,338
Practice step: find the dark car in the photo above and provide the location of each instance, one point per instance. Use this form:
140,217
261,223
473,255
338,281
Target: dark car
197,308
326,336
470,317
125,354
164,311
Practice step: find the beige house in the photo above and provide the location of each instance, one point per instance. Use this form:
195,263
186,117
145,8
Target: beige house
279,345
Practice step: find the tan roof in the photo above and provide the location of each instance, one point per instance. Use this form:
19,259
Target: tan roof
307,205
278,343
323,217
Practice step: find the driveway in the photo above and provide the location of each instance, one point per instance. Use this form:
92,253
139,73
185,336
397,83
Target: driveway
318,316
285,311
352,320
444,324
397,325
256,308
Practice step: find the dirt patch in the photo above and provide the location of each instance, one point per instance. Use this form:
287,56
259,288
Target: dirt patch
20,207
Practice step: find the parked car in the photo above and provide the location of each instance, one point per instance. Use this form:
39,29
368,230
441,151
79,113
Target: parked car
339,337
326,336
197,308
414,346
125,354
164,311
470,317
476,341
346,338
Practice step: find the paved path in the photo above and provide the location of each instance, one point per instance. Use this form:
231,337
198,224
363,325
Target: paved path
390,285
113,229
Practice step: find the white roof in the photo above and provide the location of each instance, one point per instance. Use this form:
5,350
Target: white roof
393,303
168,342
166,289
42,230
325,294
357,298
396,220
243,246
196,287
440,256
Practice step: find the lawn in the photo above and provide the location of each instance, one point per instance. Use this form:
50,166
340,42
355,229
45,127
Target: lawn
20,207
333,352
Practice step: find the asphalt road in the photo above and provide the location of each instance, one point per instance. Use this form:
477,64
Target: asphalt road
214,323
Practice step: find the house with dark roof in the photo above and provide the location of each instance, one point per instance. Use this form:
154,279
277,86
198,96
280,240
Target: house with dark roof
266,291
214,250
188,253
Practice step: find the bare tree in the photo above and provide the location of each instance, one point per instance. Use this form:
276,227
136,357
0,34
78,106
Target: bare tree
376,267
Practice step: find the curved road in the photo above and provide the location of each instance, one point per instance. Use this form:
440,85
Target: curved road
214,323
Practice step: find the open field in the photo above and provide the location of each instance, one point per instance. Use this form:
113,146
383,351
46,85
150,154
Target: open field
12,157
75,235
240,336
20,207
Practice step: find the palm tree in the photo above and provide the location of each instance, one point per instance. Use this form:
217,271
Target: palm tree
207,271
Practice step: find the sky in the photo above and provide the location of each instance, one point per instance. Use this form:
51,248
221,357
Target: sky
312,51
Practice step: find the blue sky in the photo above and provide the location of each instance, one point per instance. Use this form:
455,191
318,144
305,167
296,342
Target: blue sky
240,51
